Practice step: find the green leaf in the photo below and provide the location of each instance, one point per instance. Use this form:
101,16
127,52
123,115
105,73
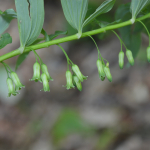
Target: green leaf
75,12
122,11
106,6
45,35
137,6
50,37
57,33
6,18
37,19
24,22
20,59
103,24
29,26
135,43
4,40
38,41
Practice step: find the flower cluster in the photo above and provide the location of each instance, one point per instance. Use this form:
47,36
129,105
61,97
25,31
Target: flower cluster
104,70
18,85
129,57
75,79
44,77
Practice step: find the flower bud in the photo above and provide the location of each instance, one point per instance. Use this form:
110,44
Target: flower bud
100,69
130,57
11,89
45,83
77,83
148,54
108,74
69,80
121,59
45,70
36,72
16,80
77,71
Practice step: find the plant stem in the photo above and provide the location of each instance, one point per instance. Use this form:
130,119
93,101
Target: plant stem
70,38
99,53
146,30
6,69
68,60
36,54
121,42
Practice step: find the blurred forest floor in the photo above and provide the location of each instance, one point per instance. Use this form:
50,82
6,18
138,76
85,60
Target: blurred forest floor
104,116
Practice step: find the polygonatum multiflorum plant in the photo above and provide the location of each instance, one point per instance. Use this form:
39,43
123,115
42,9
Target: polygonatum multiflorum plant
130,20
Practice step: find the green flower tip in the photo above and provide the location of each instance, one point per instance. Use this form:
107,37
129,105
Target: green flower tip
45,70
100,69
36,73
102,78
108,74
69,84
46,87
148,54
130,57
77,83
16,80
11,90
121,59
78,73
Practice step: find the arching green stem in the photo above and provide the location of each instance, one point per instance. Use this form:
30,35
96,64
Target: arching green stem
36,54
121,42
99,53
145,29
68,60
70,38
6,69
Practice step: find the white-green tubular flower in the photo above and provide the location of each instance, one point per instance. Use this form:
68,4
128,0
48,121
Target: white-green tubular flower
148,54
46,87
45,70
121,59
11,90
69,84
108,74
100,69
36,72
78,73
77,83
16,80
130,57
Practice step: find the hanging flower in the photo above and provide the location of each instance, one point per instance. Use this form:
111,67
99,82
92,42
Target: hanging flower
77,83
16,80
77,71
107,72
100,69
130,57
148,54
69,84
45,70
45,83
11,90
36,72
